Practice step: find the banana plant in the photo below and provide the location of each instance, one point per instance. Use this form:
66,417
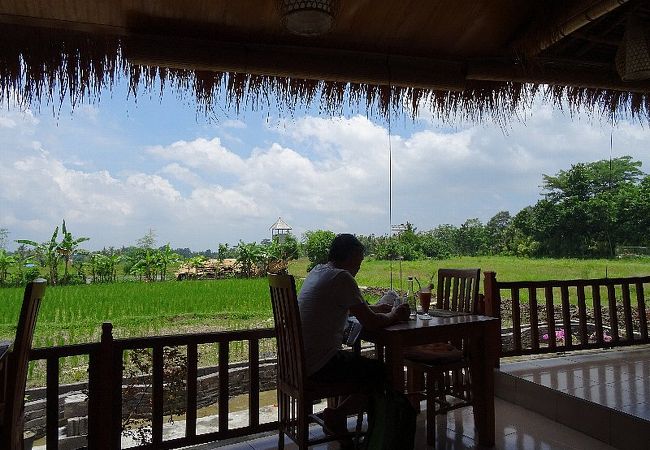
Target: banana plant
68,248
6,261
166,256
47,253
248,256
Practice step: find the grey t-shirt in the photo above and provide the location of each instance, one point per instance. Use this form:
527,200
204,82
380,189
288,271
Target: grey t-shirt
324,300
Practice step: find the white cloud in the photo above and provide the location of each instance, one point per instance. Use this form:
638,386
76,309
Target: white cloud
315,172
201,154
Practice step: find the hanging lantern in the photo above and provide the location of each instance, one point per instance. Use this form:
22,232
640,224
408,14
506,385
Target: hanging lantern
633,54
308,17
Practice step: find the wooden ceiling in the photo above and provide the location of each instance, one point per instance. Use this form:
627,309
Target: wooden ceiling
465,57
433,44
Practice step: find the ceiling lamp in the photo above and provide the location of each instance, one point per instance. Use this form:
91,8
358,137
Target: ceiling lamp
308,17
633,55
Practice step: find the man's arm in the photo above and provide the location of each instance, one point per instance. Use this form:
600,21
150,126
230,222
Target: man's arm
372,320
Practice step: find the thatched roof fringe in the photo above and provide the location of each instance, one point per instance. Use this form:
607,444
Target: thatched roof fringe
35,67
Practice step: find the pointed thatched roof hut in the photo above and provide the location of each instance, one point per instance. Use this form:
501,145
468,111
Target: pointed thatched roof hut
454,57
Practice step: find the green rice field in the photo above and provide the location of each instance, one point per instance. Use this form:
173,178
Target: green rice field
74,314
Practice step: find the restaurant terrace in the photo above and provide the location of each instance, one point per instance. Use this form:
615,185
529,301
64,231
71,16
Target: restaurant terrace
457,59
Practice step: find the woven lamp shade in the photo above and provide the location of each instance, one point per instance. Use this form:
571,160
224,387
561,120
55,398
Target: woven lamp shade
308,17
633,55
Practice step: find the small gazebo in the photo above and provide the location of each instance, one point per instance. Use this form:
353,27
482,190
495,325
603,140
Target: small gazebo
280,229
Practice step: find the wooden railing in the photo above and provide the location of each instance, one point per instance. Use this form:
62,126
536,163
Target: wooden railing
105,381
561,315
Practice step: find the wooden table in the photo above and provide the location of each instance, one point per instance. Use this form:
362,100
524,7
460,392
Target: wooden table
483,332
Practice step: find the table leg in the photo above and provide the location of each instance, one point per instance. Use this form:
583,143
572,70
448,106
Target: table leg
395,365
483,355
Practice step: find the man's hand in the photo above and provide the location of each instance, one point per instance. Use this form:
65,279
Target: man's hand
401,312
372,320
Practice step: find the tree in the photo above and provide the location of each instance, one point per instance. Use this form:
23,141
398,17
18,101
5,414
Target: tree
471,238
148,240
499,233
589,209
4,235
587,180
317,244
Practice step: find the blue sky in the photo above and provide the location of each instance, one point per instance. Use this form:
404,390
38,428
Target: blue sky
113,169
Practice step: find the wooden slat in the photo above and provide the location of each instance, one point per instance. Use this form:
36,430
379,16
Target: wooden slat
455,293
598,315
550,316
566,316
157,396
613,318
224,385
198,338
516,319
579,282
627,311
446,295
52,404
192,369
254,383
464,296
582,316
534,319
643,319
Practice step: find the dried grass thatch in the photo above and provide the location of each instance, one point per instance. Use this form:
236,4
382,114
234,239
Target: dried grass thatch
39,66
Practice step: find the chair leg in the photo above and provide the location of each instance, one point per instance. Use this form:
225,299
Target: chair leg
357,430
431,410
281,440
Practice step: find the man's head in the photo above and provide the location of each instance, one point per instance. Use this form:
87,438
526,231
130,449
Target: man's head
346,252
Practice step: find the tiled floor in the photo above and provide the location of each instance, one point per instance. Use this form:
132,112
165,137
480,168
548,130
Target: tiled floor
618,378
516,428
604,394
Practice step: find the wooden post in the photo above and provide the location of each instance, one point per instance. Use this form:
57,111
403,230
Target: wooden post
492,305
492,295
101,419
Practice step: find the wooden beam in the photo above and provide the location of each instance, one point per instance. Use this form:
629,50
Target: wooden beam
559,76
297,62
539,37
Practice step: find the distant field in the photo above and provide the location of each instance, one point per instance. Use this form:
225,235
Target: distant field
73,314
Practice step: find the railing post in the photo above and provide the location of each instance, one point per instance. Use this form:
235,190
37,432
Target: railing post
101,420
492,305
492,296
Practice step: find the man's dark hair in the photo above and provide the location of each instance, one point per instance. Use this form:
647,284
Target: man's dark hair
343,246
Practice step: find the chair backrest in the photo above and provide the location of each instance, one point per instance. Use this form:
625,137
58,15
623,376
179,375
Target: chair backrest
291,361
458,289
12,417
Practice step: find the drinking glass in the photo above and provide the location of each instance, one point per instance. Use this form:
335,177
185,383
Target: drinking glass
425,303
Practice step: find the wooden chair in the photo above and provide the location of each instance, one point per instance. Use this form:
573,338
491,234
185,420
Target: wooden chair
440,372
296,392
15,369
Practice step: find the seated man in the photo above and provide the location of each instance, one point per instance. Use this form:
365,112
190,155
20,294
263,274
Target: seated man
328,295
